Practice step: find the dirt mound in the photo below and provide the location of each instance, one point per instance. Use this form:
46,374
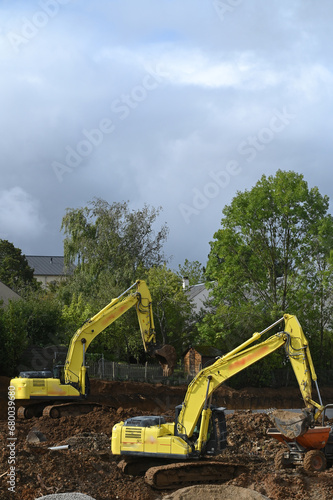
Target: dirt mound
164,397
160,398
213,492
148,397
89,467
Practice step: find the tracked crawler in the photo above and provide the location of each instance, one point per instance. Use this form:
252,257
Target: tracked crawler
199,429
70,383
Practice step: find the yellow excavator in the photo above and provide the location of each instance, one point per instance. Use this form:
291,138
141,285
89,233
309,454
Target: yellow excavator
65,391
176,453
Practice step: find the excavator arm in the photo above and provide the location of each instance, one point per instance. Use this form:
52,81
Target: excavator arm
199,393
202,387
44,386
298,352
74,369
197,420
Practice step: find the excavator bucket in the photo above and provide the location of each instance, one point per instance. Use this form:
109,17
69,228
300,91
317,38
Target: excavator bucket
167,357
291,424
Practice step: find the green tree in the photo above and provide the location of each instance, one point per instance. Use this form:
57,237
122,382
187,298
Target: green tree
13,341
271,256
194,271
36,320
39,317
121,341
113,241
75,314
14,268
171,307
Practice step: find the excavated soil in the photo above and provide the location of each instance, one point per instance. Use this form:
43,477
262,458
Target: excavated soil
213,492
88,466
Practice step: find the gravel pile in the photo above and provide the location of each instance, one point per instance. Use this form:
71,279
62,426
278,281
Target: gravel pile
66,496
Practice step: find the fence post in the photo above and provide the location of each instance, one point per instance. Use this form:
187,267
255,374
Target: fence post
103,371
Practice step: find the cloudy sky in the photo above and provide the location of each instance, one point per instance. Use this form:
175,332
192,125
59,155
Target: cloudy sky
175,103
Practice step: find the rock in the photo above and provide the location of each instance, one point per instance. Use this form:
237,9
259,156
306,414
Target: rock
36,436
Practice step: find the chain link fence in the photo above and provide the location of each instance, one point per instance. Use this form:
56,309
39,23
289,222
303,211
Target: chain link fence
100,368
111,370
285,377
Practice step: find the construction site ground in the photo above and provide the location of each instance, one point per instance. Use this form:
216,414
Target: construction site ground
89,467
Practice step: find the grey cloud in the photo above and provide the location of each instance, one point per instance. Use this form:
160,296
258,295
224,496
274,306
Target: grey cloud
217,84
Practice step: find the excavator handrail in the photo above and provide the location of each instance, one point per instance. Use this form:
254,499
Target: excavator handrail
330,405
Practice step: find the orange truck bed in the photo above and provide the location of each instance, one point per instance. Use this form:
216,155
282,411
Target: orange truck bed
314,439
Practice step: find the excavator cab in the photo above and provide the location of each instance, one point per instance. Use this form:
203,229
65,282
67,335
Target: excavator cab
58,372
216,432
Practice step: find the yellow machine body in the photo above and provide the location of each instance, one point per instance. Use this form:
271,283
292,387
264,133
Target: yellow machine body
73,385
156,440
40,388
193,424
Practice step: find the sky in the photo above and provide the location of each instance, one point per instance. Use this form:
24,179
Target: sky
173,104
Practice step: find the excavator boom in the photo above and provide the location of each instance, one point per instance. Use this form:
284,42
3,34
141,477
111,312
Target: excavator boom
140,298
210,378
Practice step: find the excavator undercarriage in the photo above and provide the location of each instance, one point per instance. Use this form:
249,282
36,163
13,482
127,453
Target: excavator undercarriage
166,474
179,475
55,410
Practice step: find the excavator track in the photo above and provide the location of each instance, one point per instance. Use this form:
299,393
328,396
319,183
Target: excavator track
189,473
65,409
138,468
56,409
30,410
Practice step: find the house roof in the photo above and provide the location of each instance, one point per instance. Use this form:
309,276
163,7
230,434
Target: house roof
48,265
7,293
195,290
